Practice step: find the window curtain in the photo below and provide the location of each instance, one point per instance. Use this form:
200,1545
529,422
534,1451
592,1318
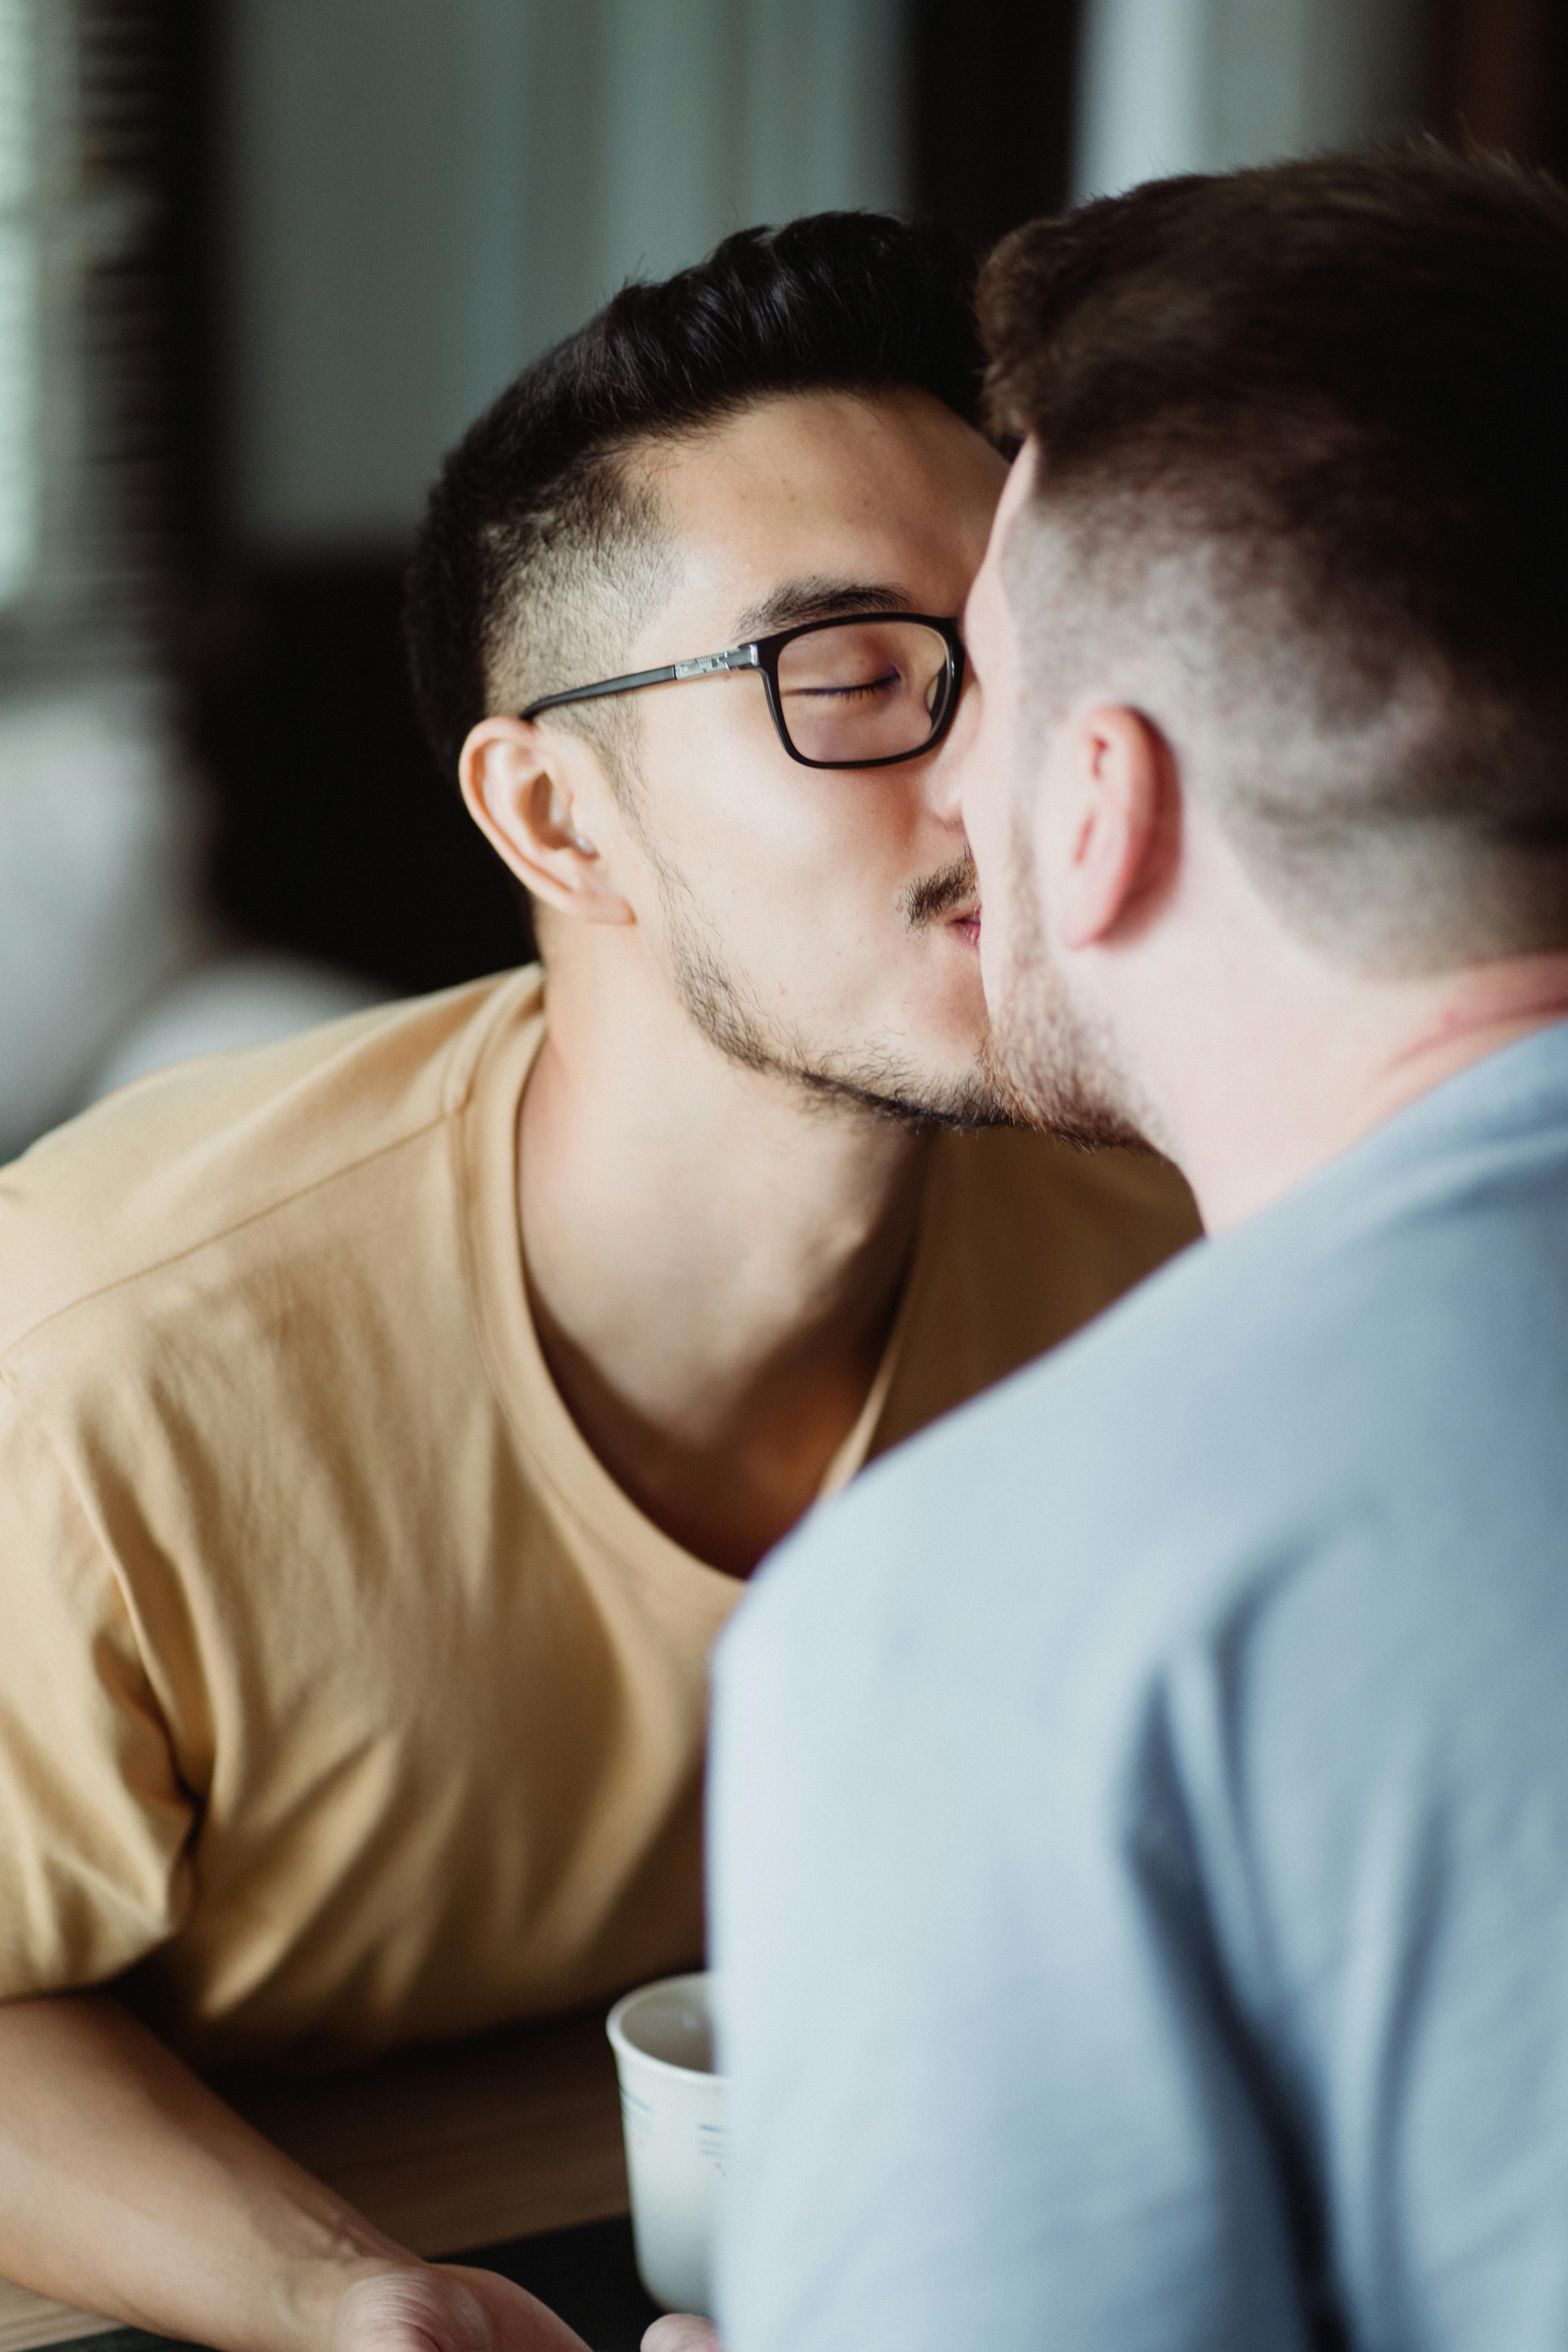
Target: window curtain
84,361
1209,85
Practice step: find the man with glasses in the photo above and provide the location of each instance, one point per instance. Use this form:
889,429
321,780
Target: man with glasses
389,1419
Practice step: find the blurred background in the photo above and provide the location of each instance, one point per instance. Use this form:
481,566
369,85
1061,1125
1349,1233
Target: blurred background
261,261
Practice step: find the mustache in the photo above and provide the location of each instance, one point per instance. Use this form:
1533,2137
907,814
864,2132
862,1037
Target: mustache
936,896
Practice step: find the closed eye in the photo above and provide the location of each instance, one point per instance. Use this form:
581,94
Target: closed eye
873,686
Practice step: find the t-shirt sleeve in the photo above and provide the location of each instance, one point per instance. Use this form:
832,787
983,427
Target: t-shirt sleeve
94,1821
985,2086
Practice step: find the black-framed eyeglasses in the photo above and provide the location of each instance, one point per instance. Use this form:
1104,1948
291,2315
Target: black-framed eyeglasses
863,692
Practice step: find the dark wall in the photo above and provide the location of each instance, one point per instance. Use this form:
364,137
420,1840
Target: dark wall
1499,74
992,104
335,834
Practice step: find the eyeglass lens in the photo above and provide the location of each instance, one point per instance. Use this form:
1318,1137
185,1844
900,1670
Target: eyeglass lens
864,690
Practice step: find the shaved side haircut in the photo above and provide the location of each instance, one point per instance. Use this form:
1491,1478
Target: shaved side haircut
1302,490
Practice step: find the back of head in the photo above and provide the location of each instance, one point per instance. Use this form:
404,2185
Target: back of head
1303,482
539,556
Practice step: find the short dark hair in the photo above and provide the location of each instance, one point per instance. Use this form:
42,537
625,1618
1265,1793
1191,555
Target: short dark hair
536,555
1344,385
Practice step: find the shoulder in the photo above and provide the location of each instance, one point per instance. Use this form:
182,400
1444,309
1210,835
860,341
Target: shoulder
1391,1357
216,1147
1097,1218
1024,1241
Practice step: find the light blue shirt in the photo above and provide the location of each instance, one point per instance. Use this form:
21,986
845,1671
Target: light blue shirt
1140,1807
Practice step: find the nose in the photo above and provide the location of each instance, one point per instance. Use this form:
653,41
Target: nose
944,783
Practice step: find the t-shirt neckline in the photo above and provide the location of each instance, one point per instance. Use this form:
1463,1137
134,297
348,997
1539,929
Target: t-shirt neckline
533,1408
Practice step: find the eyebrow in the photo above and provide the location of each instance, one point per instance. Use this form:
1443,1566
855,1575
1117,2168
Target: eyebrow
818,599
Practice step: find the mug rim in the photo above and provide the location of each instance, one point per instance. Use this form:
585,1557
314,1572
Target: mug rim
621,2042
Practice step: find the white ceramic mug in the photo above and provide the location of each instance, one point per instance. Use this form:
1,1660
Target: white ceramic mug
672,2111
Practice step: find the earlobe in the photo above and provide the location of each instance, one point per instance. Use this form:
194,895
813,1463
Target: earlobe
522,789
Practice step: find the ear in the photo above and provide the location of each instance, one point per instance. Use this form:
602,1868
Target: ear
1120,785
529,793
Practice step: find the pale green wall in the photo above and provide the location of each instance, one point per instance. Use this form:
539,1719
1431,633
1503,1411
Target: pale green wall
1205,85
426,192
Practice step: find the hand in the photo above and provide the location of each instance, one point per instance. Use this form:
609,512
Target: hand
445,2307
681,2331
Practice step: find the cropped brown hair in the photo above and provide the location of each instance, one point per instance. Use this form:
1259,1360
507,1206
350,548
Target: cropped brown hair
1338,390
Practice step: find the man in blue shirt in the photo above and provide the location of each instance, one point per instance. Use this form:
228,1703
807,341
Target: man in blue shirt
1141,1808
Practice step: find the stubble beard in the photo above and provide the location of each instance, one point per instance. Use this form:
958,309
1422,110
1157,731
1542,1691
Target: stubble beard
1043,1058
884,1084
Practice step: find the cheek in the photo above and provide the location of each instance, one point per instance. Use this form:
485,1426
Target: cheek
721,793
744,824
986,802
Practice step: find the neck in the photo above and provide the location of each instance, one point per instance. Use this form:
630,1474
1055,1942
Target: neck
1311,1069
714,1258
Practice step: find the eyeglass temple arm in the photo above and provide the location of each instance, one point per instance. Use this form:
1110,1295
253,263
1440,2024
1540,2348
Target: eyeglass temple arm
737,658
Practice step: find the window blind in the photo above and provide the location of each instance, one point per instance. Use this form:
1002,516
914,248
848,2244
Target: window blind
18,308
86,355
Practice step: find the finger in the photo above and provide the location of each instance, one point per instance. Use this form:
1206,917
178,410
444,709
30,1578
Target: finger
682,2331
517,2321
410,2308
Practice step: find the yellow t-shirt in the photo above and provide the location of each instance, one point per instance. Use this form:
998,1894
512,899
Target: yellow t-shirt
343,1697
